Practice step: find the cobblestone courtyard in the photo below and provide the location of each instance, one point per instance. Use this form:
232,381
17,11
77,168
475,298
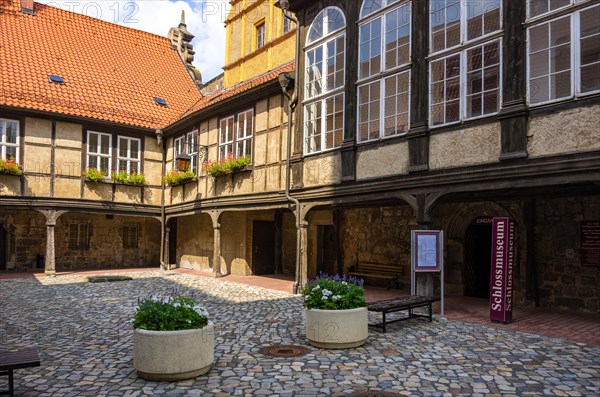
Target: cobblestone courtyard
83,333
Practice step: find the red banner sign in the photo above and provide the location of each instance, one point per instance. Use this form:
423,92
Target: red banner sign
503,262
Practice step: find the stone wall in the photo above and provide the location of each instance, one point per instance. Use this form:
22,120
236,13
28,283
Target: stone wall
106,248
377,235
563,132
563,281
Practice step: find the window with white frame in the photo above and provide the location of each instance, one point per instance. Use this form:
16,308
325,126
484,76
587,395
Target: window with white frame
563,51
128,158
79,235
187,144
235,135
131,232
99,151
465,59
324,81
384,69
9,139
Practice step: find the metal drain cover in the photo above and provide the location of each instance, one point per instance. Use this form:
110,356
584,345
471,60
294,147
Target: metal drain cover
284,350
374,394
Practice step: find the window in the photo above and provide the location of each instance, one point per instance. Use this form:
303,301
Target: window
131,232
563,53
235,135
99,155
465,45
287,24
79,235
260,36
129,155
325,80
187,144
9,139
384,75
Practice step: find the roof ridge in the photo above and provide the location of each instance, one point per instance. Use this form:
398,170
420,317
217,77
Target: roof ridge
112,24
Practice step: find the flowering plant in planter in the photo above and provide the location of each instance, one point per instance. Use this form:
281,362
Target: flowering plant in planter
94,174
10,167
128,179
334,293
226,165
175,177
172,314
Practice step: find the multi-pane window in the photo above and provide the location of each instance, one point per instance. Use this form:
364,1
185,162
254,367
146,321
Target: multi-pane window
187,144
384,75
235,135
99,151
325,79
465,53
563,52
131,232
260,36
128,158
9,139
79,235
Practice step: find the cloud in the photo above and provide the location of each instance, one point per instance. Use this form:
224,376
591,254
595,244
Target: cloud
204,19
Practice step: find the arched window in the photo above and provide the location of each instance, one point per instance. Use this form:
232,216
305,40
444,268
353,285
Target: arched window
384,69
324,81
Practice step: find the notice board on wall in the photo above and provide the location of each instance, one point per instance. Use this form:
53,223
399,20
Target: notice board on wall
590,243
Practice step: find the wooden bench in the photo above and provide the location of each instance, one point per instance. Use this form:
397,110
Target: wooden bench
399,304
9,361
391,273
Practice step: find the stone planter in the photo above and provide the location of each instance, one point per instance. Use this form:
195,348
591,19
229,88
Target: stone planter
337,329
173,355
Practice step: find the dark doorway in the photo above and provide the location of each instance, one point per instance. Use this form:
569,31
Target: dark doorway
478,256
263,247
2,248
326,249
172,225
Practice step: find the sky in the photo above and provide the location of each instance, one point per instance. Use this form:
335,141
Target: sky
205,19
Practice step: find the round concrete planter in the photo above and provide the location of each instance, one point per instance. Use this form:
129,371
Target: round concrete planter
337,329
173,355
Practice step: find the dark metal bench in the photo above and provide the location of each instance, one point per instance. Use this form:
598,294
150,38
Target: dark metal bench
9,361
391,273
399,304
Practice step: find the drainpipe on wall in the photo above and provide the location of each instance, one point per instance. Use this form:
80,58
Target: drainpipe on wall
285,80
161,144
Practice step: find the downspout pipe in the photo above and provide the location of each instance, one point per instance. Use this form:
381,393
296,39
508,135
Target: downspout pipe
285,80
161,145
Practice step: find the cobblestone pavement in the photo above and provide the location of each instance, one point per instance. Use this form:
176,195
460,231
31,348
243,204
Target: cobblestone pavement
83,333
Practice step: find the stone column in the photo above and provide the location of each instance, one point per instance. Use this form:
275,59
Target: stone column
216,244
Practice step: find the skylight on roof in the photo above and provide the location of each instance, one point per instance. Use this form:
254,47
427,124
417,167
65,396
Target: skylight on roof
55,79
160,101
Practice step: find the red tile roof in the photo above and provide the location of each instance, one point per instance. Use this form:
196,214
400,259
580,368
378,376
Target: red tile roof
111,72
239,88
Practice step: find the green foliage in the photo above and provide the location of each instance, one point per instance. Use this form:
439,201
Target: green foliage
173,314
227,165
129,179
334,293
175,177
94,174
10,167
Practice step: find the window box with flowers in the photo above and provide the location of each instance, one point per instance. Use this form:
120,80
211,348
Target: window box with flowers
95,175
336,312
123,178
173,339
10,167
175,177
227,165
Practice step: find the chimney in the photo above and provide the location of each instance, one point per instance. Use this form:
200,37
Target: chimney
27,6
